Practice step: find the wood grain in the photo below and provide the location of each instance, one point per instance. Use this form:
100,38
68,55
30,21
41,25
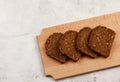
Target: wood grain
85,64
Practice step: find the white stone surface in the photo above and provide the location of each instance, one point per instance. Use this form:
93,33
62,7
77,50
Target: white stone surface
22,20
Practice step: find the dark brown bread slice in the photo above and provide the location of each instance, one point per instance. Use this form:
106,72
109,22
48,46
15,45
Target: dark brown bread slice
82,42
101,40
52,47
67,45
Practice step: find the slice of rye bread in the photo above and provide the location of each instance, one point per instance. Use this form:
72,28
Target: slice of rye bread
82,42
101,40
67,45
52,47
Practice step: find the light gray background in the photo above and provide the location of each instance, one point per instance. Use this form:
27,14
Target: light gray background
22,20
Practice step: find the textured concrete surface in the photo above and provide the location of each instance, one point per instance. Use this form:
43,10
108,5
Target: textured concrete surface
22,20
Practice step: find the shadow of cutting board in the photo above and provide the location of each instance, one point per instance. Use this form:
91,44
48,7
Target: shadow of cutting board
85,64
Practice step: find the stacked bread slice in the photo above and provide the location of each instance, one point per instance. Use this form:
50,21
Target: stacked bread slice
71,44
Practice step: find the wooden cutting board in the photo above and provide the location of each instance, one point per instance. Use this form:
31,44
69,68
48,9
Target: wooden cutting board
85,64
